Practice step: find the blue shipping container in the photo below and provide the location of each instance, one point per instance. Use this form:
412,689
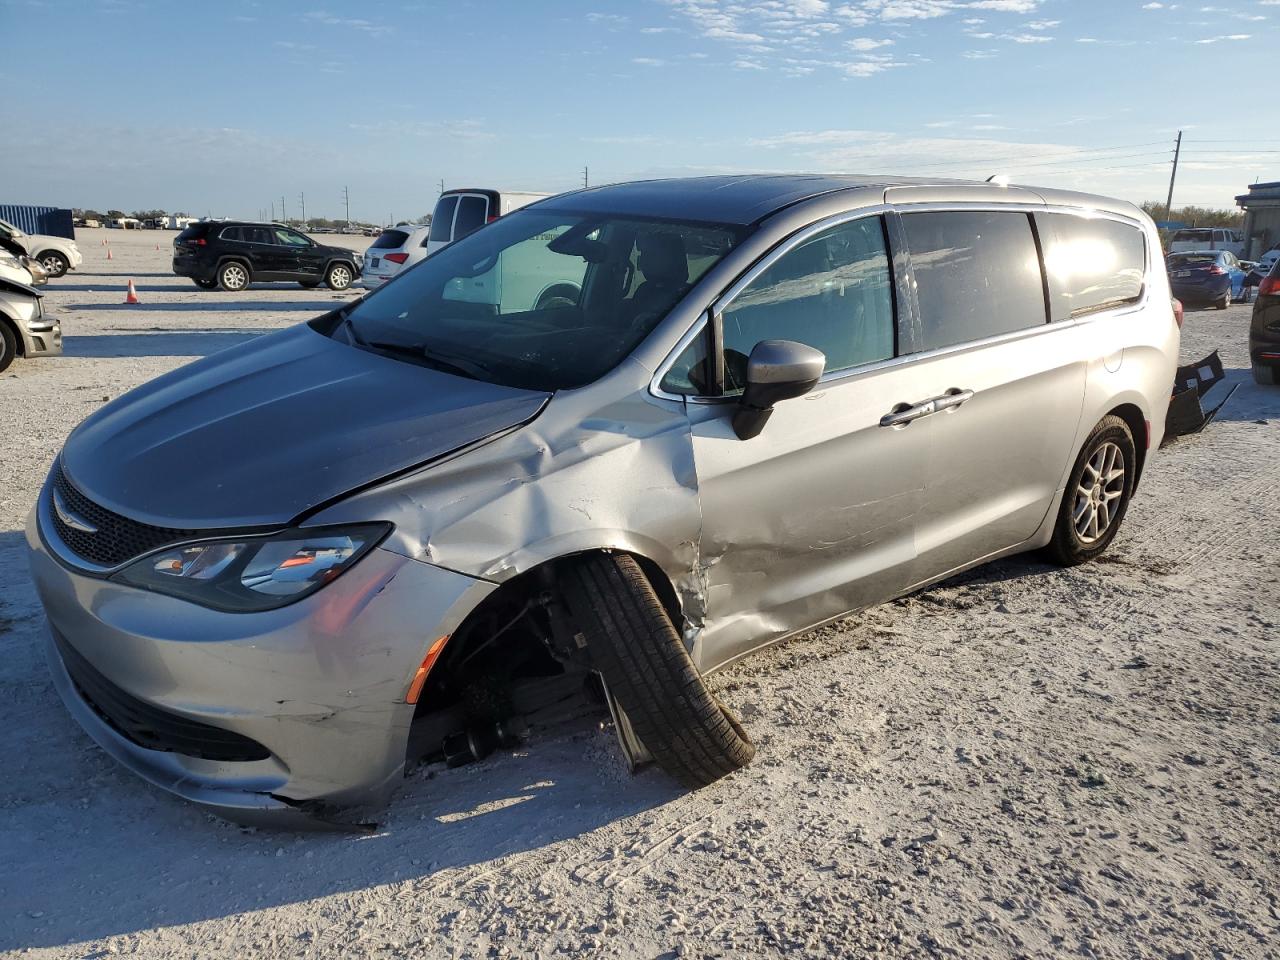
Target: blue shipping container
51,221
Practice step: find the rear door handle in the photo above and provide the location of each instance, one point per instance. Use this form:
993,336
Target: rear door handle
905,413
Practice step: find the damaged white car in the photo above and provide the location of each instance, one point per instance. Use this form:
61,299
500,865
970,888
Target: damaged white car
281,575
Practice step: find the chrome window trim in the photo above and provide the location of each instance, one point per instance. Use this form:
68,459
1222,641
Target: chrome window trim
719,303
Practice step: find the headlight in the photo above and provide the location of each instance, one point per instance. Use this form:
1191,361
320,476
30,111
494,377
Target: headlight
11,262
253,574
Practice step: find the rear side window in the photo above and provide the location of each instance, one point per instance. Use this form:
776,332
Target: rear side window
1092,263
389,240
977,275
232,233
472,213
442,218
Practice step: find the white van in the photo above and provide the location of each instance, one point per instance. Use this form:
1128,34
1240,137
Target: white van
460,212
1207,238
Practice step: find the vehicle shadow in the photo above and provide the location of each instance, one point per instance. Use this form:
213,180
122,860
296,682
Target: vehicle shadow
186,343
214,305
77,822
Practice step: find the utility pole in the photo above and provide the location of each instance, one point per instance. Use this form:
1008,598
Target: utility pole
1168,204
273,211
302,202
584,178
442,185
346,202
283,215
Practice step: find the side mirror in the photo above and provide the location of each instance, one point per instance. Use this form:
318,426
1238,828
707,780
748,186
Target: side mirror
777,370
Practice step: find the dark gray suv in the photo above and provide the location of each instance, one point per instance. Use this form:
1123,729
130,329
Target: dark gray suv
231,254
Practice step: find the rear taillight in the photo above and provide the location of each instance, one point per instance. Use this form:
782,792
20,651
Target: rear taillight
197,242
1216,271
396,257
492,217
1177,311
1269,287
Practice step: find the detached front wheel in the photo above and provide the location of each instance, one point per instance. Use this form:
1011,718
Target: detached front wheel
635,646
1097,494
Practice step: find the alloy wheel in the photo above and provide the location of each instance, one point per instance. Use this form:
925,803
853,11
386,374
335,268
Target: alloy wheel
340,277
234,277
1098,493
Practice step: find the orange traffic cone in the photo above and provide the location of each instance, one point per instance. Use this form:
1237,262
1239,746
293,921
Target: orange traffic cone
132,295
108,253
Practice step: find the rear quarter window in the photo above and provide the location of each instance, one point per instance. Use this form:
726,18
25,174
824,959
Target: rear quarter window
977,275
1092,263
231,233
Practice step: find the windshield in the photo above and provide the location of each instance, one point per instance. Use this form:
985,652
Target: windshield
540,299
1189,259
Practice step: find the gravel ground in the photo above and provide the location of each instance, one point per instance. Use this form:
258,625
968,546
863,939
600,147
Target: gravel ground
1022,762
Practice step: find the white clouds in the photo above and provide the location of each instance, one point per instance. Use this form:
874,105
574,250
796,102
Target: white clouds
648,62
864,44
978,54
1042,24
349,23
747,65
1233,36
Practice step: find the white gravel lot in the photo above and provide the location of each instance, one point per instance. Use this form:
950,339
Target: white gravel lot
1023,762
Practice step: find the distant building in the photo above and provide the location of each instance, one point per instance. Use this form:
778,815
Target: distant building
1261,218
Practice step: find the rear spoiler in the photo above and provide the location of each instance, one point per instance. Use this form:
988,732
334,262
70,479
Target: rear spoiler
13,285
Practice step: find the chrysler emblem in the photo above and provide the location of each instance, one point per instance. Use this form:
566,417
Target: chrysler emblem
69,517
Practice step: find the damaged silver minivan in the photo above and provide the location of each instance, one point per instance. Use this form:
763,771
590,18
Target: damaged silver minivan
279,576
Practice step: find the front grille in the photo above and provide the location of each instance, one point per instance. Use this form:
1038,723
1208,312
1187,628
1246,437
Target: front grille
117,539
147,725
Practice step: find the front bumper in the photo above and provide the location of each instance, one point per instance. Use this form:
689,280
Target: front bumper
319,684
43,337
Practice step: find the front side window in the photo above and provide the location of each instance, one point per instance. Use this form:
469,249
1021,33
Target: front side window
977,275
543,300
1092,263
290,239
832,292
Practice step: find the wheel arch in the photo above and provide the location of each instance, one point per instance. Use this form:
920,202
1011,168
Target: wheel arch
1138,424
20,350
234,258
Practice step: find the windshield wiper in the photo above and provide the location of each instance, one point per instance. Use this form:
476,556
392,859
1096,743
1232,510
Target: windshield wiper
419,353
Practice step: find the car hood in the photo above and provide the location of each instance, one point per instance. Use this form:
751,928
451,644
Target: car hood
266,431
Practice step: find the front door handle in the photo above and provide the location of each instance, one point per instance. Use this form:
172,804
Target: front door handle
905,413
952,399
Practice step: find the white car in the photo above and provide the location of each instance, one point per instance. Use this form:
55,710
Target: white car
1194,239
56,254
1264,265
396,248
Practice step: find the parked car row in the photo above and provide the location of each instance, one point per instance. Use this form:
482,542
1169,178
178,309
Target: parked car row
56,255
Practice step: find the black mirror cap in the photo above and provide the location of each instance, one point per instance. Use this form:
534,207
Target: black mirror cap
777,370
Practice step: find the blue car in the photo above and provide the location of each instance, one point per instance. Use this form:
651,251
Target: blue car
1207,276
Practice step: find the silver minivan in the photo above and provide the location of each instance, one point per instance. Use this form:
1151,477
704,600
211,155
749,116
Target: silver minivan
280,576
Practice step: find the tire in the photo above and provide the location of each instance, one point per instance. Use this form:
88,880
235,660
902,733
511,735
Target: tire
339,276
54,263
1262,374
1225,302
1075,539
233,276
632,642
206,284
8,346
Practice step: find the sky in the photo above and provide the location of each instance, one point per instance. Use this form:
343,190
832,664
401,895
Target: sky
236,107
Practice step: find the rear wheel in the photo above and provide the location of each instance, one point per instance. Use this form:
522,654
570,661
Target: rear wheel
339,276
1097,494
635,646
233,276
1225,300
1264,375
54,263
8,346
